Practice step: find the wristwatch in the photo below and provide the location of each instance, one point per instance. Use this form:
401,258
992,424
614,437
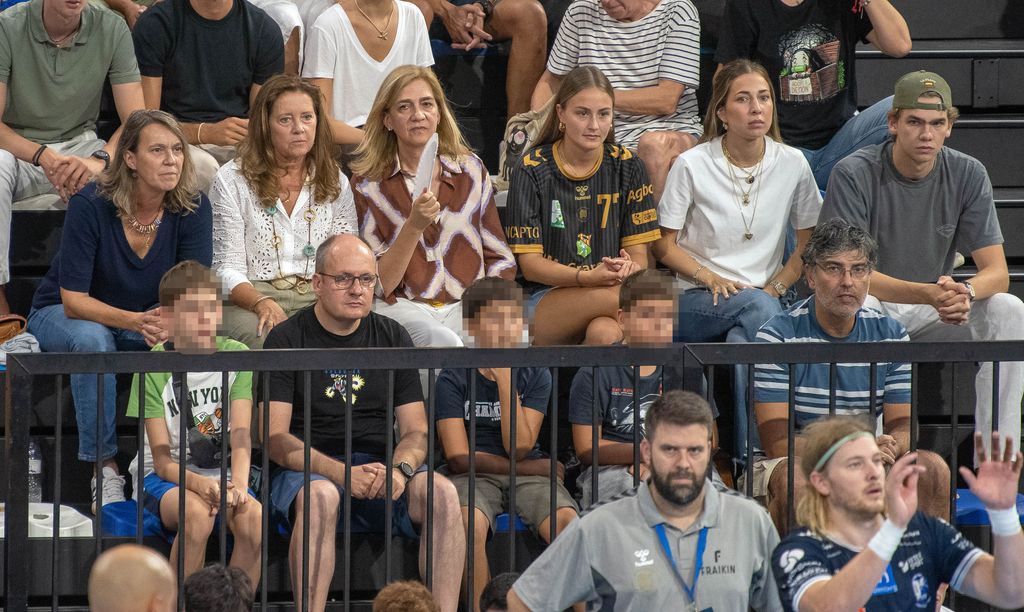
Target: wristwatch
778,287
406,470
970,289
102,155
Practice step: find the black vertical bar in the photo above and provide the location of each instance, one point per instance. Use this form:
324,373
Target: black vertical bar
347,502
57,441
265,489
995,404
832,374
471,527
914,370
389,451
225,433
553,474
594,439
428,578
636,426
97,520
791,448
953,442
183,428
16,443
873,396
751,424
306,443
140,472
512,514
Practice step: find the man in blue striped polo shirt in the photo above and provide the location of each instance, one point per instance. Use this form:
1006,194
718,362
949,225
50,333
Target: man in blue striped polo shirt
838,262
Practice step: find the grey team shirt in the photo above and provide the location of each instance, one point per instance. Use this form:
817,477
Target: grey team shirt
611,558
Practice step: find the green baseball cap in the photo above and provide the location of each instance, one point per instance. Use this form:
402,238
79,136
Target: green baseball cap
913,85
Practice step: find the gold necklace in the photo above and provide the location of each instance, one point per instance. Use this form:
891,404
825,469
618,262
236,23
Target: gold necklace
381,34
742,198
145,229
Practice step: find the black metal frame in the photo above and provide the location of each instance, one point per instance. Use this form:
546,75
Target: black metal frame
22,368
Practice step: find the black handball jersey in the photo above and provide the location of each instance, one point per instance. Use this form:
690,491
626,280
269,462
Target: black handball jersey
576,221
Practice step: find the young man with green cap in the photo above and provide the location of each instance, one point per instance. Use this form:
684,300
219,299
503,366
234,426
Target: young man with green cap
866,547
921,202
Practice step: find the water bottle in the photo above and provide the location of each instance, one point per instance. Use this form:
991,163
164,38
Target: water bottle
35,472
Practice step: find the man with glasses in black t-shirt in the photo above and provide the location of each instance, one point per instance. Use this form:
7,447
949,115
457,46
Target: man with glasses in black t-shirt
346,274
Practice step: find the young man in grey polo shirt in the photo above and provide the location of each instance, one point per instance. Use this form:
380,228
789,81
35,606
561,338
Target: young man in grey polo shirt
677,543
54,58
922,202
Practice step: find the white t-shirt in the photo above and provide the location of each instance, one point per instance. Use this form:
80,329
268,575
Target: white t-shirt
702,201
333,51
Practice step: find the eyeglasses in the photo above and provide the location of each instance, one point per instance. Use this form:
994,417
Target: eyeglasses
346,280
857,271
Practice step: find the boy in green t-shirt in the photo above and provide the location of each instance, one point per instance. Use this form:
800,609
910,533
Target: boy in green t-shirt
190,309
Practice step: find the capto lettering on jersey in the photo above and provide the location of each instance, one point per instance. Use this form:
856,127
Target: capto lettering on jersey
515,232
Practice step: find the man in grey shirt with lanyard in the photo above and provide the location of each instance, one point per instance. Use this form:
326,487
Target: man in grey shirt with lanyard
677,543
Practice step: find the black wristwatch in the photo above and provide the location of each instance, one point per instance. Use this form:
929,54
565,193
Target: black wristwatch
970,289
406,470
103,155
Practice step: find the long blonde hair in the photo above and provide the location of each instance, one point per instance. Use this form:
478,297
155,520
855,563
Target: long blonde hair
578,79
375,156
713,126
819,436
119,181
257,160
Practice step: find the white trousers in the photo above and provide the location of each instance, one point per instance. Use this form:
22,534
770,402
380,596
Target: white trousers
999,317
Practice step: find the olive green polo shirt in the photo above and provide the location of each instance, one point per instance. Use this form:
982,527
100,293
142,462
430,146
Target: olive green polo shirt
53,94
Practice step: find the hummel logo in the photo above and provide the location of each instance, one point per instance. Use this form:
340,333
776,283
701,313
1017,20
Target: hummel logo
642,557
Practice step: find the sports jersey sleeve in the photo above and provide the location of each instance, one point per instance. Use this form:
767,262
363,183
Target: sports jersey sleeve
523,226
565,51
954,554
798,562
581,398
680,59
678,196
771,380
844,198
561,576
738,35
639,223
535,389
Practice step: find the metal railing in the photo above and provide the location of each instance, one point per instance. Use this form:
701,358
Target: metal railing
698,361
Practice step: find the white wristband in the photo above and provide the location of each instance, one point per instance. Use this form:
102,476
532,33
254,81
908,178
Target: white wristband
887,540
1004,522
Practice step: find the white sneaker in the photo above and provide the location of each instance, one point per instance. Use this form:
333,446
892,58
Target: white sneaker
113,488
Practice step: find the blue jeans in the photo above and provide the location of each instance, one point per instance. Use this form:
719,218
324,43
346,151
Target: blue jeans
868,127
736,319
59,334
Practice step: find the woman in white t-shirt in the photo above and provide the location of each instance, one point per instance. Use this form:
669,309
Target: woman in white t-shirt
727,206
352,46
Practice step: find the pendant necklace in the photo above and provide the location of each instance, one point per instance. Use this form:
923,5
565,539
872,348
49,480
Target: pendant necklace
381,33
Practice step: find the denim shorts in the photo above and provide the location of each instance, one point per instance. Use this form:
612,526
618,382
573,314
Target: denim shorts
367,514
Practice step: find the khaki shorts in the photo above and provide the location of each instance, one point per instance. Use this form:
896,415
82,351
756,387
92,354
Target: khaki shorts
763,471
532,495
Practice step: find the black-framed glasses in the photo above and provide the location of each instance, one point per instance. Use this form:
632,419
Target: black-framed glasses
857,271
346,280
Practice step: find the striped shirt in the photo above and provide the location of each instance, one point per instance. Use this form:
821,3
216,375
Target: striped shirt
853,380
664,44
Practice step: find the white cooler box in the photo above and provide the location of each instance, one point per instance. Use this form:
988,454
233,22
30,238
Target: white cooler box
73,524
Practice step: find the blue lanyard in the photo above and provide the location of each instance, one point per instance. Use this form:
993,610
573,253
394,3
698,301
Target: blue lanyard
702,540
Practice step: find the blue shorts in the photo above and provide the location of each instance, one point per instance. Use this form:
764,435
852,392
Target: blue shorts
533,300
367,514
153,490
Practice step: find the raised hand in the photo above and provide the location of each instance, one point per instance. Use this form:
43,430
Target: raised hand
901,490
998,473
